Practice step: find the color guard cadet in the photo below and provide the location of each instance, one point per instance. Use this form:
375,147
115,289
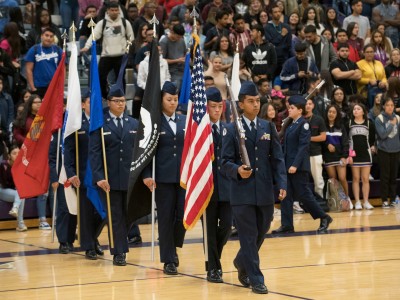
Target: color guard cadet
170,196
119,132
251,191
66,222
90,220
297,159
218,212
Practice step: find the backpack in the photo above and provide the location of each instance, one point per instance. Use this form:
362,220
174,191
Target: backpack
336,197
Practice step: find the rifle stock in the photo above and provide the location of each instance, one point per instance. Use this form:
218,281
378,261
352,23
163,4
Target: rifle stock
239,128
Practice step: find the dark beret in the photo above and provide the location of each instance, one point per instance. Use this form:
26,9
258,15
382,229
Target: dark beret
170,88
213,94
248,88
297,99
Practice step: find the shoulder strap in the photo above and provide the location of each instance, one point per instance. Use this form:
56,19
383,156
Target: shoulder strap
124,24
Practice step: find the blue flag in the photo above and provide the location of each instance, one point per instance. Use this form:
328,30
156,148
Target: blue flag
96,106
96,122
186,82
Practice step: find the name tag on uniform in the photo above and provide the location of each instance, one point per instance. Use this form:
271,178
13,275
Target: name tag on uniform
266,136
132,131
162,132
106,132
81,132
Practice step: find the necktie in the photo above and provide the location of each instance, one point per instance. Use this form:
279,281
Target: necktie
253,130
215,133
119,126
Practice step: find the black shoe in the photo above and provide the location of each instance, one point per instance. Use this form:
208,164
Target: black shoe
260,289
170,269
91,254
325,221
283,229
219,272
70,247
98,249
64,249
136,240
242,276
176,261
119,260
213,276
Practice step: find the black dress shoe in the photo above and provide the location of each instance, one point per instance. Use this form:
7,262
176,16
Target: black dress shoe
70,247
91,254
259,289
136,240
64,249
98,249
176,260
234,231
283,229
213,276
219,272
242,276
325,221
170,269
119,260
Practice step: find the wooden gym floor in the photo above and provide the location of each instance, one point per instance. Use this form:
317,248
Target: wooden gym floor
358,259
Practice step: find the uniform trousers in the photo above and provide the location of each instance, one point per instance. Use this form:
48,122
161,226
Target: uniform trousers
219,224
252,223
170,200
298,187
106,64
118,215
66,223
90,221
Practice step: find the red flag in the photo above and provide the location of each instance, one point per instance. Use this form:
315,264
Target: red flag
198,150
31,168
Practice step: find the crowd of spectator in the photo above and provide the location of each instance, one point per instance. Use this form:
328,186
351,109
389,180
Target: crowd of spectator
286,47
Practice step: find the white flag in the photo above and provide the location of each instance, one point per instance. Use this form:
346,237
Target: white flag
72,122
235,84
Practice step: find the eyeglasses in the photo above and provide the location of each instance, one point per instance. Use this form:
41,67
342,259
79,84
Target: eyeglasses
119,101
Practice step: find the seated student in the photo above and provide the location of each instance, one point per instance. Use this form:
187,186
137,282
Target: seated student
7,188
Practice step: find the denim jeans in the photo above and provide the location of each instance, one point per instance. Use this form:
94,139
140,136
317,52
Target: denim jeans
41,202
11,195
68,14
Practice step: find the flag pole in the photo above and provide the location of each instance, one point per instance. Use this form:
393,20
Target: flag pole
72,33
153,207
92,24
53,220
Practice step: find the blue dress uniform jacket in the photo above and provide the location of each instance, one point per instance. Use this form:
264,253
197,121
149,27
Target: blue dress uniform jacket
66,223
90,220
83,147
299,134
221,182
169,152
118,152
266,159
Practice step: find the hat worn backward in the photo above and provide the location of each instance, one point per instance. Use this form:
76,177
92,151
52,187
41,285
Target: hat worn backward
213,94
170,88
248,88
297,99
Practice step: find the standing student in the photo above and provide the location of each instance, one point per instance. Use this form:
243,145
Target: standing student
170,196
218,212
89,219
250,190
387,129
119,132
297,158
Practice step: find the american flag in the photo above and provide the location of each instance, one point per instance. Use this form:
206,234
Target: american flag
198,150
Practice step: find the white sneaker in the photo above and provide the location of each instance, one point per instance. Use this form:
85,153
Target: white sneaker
385,204
371,177
351,203
358,205
21,227
297,209
368,206
13,212
44,226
